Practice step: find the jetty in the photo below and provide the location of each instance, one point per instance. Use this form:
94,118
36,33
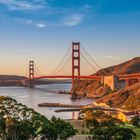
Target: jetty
59,105
93,108
68,110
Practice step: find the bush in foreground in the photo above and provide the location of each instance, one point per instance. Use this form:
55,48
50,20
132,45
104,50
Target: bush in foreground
17,122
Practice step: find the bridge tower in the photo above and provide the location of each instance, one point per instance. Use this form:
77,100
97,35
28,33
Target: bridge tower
75,60
31,74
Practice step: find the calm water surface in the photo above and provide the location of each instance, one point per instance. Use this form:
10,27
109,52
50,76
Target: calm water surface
42,94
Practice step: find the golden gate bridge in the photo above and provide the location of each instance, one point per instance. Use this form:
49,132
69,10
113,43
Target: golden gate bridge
75,57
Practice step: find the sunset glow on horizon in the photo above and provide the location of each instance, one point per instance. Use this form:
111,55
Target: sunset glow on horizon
43,30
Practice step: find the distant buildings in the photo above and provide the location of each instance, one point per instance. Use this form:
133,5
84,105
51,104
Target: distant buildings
123,115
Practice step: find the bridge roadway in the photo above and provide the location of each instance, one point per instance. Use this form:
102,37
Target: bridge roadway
130,79
92,77
66,77
129,76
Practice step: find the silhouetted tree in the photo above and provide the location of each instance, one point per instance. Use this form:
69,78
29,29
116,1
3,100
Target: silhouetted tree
135,121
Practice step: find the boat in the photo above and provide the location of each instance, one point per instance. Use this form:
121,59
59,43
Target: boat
63,92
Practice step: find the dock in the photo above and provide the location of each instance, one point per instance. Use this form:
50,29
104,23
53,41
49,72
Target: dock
59,105
68,110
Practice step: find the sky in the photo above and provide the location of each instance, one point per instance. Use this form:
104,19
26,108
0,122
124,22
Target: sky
43,30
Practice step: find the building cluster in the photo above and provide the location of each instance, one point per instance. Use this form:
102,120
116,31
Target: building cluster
116,82
123,115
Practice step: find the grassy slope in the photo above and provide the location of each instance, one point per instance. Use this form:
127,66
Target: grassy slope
135,129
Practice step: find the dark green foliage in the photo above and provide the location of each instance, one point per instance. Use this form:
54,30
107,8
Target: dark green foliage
109,131
135,121
121,133
57,128
17,122
51,132
105,127
64,129
11,129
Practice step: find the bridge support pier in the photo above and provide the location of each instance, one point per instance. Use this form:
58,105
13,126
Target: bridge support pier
31,84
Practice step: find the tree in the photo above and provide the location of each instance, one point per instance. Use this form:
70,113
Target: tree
99,116
51,132
135,121
2,128
105,127
110,131
121,133
17,130
17,122
57,128
64,129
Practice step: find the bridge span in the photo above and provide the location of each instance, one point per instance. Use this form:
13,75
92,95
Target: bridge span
111,81
67,77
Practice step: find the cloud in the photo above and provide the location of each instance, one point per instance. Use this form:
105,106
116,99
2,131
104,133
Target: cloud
42,14
67,22
112,57
23,4
40,25
27,21
87,8
73,20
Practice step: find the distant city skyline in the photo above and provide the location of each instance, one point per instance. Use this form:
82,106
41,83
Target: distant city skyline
42,30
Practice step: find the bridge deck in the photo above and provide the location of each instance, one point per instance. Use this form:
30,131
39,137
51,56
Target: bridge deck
121,77
67,77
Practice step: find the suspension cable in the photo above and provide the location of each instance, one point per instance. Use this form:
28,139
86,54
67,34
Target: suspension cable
88,61
36,73
27,71
93,60
37,70
54,71
63,65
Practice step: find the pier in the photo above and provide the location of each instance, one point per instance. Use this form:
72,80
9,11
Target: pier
60,105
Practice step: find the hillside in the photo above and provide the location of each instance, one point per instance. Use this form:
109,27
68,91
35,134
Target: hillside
11,80
127,98
91,89
95,89
128,67
11,77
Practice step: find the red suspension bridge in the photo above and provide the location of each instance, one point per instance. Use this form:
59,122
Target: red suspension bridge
75,57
